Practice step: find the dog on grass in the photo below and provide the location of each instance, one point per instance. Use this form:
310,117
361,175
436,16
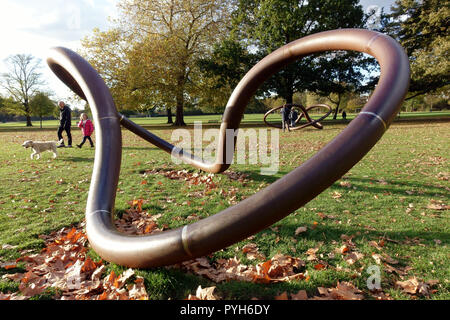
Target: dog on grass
41,146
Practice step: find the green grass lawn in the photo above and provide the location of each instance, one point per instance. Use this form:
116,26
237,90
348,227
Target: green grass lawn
389,197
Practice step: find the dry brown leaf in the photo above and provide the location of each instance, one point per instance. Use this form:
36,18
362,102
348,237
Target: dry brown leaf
63,264
345,184
8,265
5,296
282,296
322,290
388,259
300,230
343,291
336,195
414,286
8,246
437,205
206,293
252,252
346,291
311,252
353,257
375,245
300,295
376,257
121,280
408,286
137,290
319,266
203,294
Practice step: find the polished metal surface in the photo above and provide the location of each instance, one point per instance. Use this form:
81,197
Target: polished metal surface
263,208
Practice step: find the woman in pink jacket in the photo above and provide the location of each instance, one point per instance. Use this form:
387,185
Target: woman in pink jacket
87,128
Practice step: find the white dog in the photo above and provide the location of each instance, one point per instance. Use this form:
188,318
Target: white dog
41,146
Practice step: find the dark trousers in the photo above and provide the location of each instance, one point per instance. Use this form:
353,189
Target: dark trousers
69,136
84,140
285,125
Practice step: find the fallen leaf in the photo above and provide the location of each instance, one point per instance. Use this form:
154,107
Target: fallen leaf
377,258
414,286
8,265
319,266
203,294
301,295
282,296
300,230
8,247
353,257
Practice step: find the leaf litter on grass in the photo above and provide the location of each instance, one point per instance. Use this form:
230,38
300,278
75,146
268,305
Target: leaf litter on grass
64,265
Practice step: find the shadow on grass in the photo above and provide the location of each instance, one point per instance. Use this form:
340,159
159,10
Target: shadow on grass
364,184
329,234
142,148
394,187
76,159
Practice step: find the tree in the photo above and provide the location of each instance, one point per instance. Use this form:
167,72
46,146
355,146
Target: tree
421,27
266,25
222,71
107,52
41,105
158,44
22,80
339,74
8,108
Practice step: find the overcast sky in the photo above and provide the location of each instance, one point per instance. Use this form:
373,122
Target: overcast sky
32,27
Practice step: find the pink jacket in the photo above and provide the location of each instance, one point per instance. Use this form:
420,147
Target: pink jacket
87,129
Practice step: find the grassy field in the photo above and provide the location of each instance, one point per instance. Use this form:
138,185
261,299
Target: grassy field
393,206
248,119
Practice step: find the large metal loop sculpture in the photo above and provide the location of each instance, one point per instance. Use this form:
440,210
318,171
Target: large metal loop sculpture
303,113
263,208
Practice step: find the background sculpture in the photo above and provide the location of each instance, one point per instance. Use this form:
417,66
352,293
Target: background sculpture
303,113
263,208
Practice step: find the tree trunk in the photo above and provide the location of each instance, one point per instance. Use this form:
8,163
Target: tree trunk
179,116
29,124
336,111
289,98
27,112
288,89
169,116
179,119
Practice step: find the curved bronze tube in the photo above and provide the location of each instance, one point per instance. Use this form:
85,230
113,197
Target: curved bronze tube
263,208
304,112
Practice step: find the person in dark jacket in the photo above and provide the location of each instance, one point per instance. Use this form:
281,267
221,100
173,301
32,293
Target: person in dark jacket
293,115
64,124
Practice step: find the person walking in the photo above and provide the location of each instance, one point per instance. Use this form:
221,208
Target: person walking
64,124
293,115
87,128
285,117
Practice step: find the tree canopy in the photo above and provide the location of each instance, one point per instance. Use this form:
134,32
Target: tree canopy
262,26
41,105
156,45
422,28
22,80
